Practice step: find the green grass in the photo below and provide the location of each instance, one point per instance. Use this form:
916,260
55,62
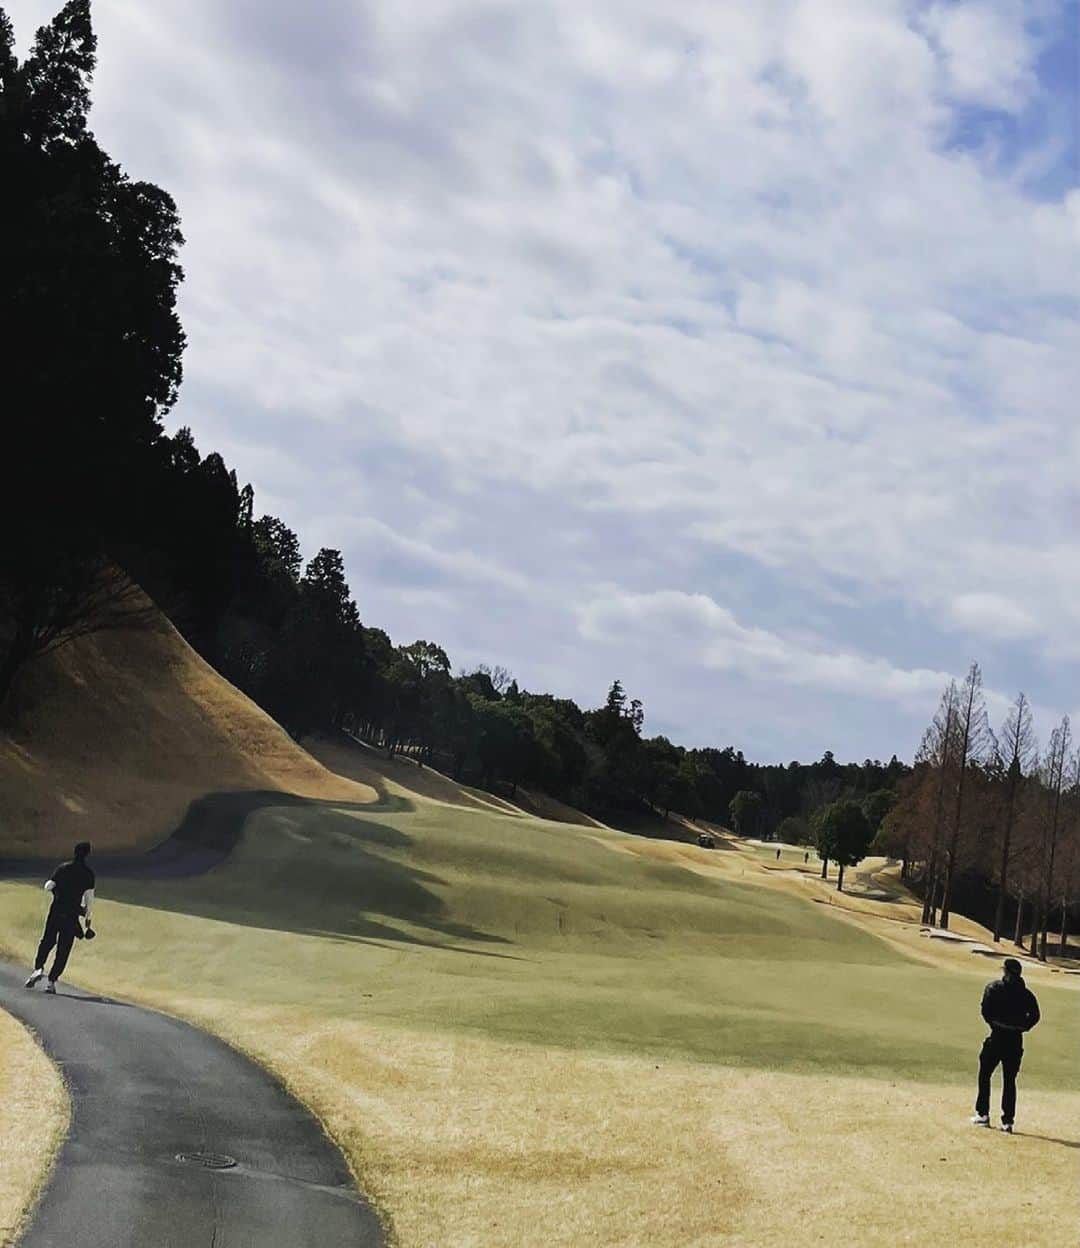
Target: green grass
442,918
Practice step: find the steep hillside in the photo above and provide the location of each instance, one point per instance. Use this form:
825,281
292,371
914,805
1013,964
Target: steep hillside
119,731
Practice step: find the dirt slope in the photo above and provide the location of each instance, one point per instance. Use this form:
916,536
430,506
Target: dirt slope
118,732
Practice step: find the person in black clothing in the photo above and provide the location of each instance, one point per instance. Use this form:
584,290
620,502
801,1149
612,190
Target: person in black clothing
1010,1009
72,889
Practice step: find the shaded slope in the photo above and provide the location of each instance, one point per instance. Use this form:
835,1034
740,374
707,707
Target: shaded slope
117,733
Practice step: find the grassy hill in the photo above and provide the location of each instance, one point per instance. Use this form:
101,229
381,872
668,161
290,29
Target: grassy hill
120,730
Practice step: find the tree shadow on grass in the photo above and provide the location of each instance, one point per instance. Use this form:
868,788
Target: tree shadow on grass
310,867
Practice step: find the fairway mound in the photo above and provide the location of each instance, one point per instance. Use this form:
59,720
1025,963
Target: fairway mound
403,775
117,733
544,806
400,775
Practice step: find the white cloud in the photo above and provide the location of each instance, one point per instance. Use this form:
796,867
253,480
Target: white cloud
988,53
667,297
705,633
992,615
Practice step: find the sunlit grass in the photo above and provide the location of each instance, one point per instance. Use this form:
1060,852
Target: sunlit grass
524,1034
33,1116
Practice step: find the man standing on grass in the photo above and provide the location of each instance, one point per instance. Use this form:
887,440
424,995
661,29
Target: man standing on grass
1010,1009
72,888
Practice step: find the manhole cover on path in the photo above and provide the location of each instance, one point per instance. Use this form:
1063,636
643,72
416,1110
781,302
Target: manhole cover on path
209,1161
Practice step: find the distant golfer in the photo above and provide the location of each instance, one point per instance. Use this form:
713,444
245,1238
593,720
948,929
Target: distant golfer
1010,1009
72,888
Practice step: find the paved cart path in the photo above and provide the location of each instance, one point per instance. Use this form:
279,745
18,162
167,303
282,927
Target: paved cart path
145,1088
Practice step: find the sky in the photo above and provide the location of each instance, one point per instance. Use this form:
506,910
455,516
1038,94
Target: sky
728,349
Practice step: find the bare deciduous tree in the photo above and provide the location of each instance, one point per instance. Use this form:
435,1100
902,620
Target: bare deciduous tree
937,751
1018,756
1069,855
974,742
1054,777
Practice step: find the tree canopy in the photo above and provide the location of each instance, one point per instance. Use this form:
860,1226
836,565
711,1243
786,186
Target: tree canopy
92,342
843,835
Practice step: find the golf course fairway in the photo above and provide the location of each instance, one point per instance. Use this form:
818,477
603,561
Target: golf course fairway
522,1034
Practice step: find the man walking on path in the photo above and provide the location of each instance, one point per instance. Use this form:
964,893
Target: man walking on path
1010,1009
72,888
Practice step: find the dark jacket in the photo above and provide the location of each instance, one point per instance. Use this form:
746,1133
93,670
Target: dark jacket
1009,1006
72,879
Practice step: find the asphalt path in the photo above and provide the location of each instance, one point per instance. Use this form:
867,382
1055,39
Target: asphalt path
146,1089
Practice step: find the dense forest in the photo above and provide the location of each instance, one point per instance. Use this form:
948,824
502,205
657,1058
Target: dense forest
105,502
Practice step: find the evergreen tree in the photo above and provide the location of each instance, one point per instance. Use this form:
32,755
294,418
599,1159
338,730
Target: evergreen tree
92,343
843,835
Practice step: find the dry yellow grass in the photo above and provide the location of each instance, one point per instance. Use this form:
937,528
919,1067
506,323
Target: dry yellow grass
402,776
120,731
898,923
469,1136
399,1027
399,776
33,1118
467,1141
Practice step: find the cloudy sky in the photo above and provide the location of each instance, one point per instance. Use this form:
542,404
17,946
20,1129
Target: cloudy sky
731,349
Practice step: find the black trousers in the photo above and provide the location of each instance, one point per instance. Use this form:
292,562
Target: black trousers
60,930
1007,1048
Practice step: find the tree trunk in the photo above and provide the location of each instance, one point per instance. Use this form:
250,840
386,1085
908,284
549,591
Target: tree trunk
824,868
1064,927
1003,874
933,900
954,837
935,845
1049,885
840,880
1019,931
950,856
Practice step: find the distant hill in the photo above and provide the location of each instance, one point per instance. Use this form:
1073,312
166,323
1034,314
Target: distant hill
119,731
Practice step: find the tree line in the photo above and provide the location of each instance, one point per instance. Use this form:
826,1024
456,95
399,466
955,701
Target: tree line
104,502
988,822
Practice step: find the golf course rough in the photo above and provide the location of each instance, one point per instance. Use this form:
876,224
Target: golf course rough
523,1035
33,1119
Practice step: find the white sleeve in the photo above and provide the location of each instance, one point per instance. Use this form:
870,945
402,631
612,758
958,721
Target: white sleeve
50,885
88,902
